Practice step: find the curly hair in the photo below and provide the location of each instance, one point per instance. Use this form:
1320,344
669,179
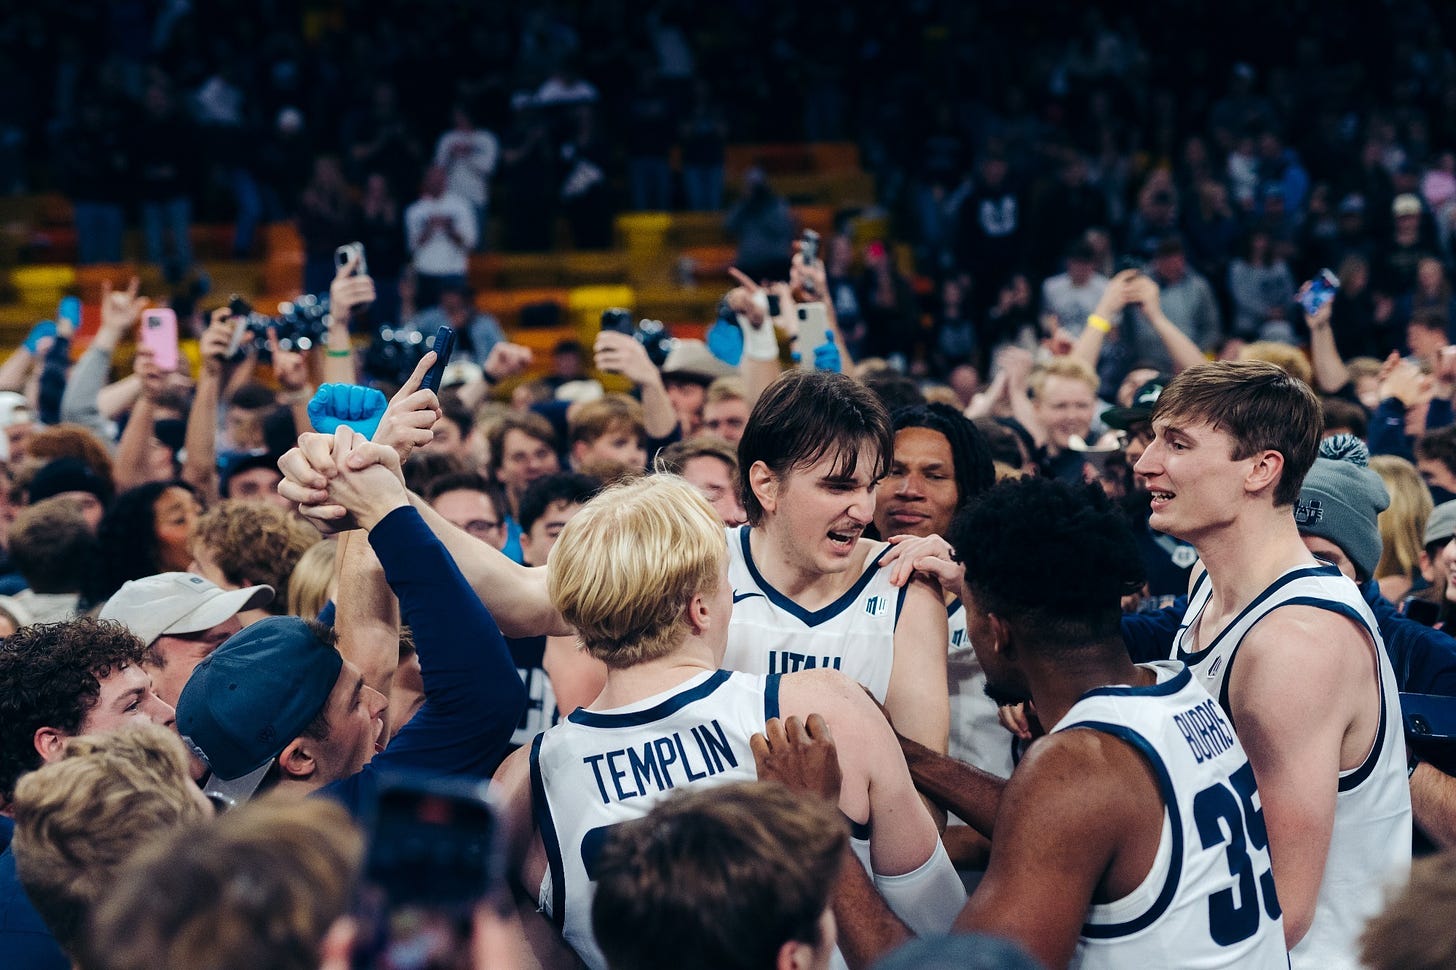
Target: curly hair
1015,534
128,535
50,676
254,543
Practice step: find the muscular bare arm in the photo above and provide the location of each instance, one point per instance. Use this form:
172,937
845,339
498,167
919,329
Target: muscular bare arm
1294,695
918,697
1075,803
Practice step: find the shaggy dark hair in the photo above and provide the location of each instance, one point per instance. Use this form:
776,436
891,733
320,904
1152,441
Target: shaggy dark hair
50,676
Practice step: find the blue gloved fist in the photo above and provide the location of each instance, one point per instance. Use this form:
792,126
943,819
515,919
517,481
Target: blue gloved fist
725,340
42,330
826,355
361,408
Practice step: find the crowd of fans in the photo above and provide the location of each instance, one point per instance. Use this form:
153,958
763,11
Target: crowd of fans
982,494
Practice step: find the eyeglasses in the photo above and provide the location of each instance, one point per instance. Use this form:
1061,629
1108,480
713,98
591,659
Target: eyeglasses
479,527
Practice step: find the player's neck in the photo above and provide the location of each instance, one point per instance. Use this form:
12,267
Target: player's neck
1057,682
788,572
628,685
1243,558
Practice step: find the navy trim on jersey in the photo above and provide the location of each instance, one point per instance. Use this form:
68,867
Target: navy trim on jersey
771,696
952,606
1270,590
809,617
672,705
1353,780
900,602
1105,931
547,827
1168,687
859,830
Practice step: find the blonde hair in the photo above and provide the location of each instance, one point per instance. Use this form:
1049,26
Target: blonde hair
1068,367
258,887
1403,523
628,564
308,586
77,820
1286,358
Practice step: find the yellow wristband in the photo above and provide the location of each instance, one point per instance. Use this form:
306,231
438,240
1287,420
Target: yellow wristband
1099,324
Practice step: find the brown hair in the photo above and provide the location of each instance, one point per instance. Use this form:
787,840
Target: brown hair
70,441
1259,405
52,547
802,417
614,412
729,875
1414,930
254,543
527,422
258,887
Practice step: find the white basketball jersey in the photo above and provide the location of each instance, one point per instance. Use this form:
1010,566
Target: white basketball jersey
1371,842
771,634
976,734
1209,899
597,769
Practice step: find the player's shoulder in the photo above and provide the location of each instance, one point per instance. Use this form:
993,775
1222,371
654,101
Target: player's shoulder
1091,774
1296,633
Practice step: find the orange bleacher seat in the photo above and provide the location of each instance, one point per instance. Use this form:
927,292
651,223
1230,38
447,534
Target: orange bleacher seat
711,262
506,305
820,218
281,237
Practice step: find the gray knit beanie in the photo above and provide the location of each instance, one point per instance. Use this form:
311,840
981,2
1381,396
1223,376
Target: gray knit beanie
1341,500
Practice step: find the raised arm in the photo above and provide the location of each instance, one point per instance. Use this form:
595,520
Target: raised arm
200,467
1143,290
346,294
1088,347
617,353
366,614
1330,372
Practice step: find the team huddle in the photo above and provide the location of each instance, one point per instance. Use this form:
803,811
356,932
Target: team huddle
1241,801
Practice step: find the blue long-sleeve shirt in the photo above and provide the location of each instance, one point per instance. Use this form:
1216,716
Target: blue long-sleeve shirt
1387,427
473,695
1424,659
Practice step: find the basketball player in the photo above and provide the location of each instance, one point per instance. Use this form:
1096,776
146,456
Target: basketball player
1286,644
807,590
1130,836
641,573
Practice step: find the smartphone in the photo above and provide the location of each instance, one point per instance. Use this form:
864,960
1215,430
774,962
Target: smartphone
1320,291
443,347
159,335
434,854
809,249
618,320
813,322
774,307
342,254
70,312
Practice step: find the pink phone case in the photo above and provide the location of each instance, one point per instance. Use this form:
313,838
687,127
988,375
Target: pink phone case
159,335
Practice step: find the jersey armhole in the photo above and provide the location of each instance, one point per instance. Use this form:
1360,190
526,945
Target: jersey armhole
541,810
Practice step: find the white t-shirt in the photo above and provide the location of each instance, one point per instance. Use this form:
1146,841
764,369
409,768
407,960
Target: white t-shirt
440,255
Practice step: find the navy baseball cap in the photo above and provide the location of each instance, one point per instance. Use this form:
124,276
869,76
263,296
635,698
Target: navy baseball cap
1143,403
251,697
